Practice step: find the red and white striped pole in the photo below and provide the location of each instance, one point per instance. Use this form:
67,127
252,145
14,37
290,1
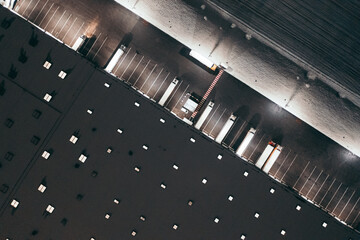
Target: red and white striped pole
207,94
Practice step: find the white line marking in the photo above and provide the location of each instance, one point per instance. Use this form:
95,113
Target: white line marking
76,34
26,8
152,70
173,94
33,8
342,196
320,188
346,203
154,81
93,45
217,121
180,97
333,196
327,191
41,10
249,158
141,73
289,167
46,14
102,44
301,174
314,183
128,65
122,60
212,115
352,209
282,163
20,5
67,31
161,85
58,21
307,179
57,34
355,218
237,134
135,69
51,18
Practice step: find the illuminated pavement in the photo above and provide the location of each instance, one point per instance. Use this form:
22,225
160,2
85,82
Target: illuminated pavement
311,163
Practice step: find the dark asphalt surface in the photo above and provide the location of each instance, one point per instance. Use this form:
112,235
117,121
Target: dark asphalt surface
312,164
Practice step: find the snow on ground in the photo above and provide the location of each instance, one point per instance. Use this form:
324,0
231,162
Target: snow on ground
258,66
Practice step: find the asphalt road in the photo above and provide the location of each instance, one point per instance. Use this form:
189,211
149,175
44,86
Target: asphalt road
315,166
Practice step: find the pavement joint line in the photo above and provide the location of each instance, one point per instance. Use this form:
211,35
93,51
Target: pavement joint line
256,147
51,18
312,186
40,11
237,134
122,60
352,209
342,196
313,199
152,70
307,179
288,167
217,121
327,191
33,8
92,46
76,34
287,155
129,78
173,94
147,64
147,92
212,115
26,8
45,15
161,85
58,21
180,97
102,44
62,28
333,196
346,204
301,174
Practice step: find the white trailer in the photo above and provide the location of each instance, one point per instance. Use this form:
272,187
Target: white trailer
191,104
168,91
265,155
203,60
204,115
79,42
226,128
271,160
245,143
119,52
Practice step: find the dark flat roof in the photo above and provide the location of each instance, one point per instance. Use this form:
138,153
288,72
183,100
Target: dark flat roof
144,182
